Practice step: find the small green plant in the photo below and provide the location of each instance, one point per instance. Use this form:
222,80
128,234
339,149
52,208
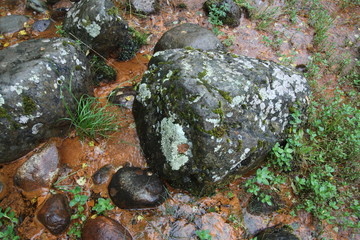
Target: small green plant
216,13
203,234
102,206
8,222
139,37
78,202
60,31
229,41
91,118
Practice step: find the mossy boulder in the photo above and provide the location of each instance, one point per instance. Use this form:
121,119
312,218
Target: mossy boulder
34,76
205,117
99,25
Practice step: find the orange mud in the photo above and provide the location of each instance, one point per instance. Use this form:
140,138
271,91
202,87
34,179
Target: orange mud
85,157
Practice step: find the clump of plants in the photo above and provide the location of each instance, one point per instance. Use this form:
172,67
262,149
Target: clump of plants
91,118
325,154
8,222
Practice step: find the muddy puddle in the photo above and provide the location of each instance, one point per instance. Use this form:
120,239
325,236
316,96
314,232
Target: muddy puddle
225,214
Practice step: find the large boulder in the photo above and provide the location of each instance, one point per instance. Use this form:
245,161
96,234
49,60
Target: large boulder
34,80
98,24
189,35
204,116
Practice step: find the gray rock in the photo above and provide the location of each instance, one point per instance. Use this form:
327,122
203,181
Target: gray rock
189,35
145,6
229,7
37,5
203,117
216,225
133,188
55,214
34,75
39,170
104,228
181,229
41,25
98,24
12,23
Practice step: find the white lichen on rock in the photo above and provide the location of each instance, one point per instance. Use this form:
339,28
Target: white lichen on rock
143,93
173,136
93,29
2,101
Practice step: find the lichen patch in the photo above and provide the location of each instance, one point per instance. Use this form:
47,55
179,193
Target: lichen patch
173,136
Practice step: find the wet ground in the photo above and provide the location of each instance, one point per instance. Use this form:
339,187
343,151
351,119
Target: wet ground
224,214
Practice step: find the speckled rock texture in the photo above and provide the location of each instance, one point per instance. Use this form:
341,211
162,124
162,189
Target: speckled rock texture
229,7
189,35
145,6
203,117
39,170
33,77
55,214
12,23
134,188
98,24
102,228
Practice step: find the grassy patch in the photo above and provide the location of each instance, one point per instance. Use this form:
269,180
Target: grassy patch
91,118
320,162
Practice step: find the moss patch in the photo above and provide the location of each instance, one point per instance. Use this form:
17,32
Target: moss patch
4,113
225,95
28,104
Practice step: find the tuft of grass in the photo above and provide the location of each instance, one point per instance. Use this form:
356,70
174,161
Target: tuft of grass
321,21
91,118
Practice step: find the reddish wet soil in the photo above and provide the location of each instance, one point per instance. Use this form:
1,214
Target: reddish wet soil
84,157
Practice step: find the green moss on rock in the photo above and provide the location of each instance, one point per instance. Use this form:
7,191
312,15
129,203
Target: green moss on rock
225,95
4,113
29,106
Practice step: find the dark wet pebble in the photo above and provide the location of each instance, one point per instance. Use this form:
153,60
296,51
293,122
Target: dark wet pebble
104,228
256,207
275,233
12,23
133,188
102,175
55,214
123,97
3,187
41,25
39,170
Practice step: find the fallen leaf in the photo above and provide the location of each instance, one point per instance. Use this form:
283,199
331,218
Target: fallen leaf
22,32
